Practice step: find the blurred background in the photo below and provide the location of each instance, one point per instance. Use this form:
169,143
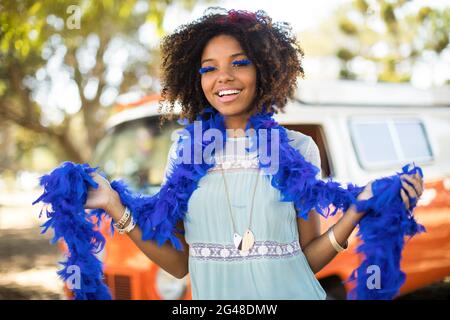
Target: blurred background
68,67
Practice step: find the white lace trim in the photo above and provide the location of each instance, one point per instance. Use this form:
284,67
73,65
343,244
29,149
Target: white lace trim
235,157
237,163
261,249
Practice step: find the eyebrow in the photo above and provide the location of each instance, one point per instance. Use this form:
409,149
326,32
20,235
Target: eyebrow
232,56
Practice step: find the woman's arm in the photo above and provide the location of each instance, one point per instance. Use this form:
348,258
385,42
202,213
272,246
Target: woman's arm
167,257
316,247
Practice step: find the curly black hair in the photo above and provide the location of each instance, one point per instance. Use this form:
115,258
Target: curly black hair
272,47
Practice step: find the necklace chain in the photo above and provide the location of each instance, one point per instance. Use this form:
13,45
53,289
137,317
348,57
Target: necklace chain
229,202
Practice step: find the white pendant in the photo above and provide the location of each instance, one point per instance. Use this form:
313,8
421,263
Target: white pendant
237,239
248,240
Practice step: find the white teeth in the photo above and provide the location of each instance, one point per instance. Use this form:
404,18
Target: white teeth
227,92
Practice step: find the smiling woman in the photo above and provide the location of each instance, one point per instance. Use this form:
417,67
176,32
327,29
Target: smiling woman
240,231
240,64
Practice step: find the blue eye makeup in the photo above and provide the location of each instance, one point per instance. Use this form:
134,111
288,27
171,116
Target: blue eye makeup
206,69
242,62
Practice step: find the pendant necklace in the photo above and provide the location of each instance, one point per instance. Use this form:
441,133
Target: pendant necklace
245,242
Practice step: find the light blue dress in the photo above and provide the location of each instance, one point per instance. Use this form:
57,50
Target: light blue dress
275,267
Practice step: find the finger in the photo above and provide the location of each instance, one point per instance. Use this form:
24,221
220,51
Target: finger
420,182
409,194
410,191
411,178
411,186
418,176
420,186
404,198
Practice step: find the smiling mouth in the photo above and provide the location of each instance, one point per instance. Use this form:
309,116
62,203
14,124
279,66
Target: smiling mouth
228,95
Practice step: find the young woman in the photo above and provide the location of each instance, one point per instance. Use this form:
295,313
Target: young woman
240,241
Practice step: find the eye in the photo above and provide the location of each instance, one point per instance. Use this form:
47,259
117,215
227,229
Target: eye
242,62
206,69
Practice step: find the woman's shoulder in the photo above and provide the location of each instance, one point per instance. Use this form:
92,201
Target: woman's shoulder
306,146
300,141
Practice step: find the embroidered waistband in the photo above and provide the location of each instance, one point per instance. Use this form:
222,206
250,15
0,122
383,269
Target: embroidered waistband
235,164
261,249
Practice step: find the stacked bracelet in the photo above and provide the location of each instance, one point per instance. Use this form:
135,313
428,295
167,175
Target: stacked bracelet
120,225
123,220
334,242
128,228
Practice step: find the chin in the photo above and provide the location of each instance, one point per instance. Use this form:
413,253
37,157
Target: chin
230,111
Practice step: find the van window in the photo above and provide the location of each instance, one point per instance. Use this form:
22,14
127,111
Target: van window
382,143
413,140
137,152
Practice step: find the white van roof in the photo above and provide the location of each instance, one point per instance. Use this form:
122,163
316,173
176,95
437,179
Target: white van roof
328,93
347,92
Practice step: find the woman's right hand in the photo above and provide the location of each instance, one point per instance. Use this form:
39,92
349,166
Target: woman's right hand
101,197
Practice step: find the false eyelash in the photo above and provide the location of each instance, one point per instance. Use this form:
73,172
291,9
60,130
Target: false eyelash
242,62
205,69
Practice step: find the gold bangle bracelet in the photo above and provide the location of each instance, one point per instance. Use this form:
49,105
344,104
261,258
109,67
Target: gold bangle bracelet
334,242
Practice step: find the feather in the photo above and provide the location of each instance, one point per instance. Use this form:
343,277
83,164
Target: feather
65,188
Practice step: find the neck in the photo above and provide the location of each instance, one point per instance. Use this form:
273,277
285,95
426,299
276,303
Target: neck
234,123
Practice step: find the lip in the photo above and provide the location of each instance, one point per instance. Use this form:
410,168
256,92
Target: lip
228,98
226,88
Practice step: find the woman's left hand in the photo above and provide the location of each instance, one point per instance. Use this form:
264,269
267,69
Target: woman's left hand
412,190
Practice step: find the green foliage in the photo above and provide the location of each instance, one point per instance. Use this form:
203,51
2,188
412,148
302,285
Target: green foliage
437,27
34,33
404,35
345,54
362,6
348,27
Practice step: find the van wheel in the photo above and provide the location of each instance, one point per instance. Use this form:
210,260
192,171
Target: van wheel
334,288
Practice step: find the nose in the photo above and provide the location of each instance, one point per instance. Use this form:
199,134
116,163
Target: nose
224,75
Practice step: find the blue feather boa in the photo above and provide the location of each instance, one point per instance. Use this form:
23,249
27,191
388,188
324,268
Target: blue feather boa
66,190
382,229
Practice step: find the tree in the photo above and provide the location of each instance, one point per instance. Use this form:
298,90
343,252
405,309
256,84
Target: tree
391,36
96,47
